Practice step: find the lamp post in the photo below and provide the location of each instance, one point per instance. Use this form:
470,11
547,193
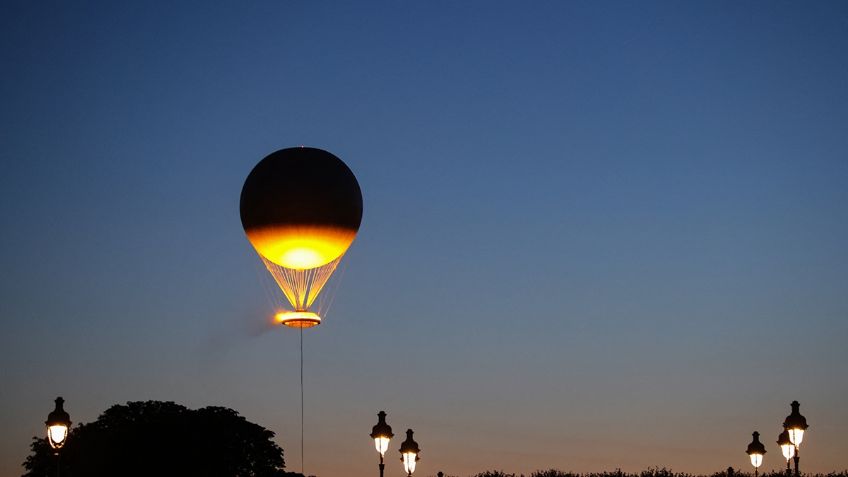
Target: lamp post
755,451
788,449
409,453
58,422
796,424
381,433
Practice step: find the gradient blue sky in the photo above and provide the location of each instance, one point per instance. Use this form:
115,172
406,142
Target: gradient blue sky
596,234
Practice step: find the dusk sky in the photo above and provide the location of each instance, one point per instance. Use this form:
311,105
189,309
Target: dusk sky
596,235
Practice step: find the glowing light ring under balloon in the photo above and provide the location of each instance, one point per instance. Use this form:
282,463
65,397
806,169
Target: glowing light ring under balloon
298,319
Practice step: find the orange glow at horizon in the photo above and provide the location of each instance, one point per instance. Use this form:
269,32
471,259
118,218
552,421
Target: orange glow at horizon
301,247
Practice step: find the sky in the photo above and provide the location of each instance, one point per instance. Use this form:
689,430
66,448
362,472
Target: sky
596,235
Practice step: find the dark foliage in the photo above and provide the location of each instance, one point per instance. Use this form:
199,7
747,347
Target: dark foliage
165,439
663,472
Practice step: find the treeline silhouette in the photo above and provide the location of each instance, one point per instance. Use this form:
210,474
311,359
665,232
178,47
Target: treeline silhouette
156,438
659,472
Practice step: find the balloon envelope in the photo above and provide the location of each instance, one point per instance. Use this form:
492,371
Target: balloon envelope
301,207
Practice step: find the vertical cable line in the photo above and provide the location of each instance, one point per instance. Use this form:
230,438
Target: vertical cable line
301,288
301,402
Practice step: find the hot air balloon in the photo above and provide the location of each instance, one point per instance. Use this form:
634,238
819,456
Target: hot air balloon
301,208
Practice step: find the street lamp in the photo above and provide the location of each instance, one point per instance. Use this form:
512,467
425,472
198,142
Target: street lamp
755,451
381,433
409,451
788,449
58,422
796,424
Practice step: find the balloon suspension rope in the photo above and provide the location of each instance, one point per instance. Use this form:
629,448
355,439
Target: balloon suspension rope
301,401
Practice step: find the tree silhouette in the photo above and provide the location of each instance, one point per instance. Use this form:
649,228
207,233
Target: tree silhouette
164,439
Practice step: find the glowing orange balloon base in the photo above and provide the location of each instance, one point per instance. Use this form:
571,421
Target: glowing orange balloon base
298,319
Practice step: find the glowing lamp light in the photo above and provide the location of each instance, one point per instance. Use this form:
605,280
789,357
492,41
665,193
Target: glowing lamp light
786,445
58,422
796,424
788,451
382,445
409,460
796,436
298,319
755,451
56,435
382,434
409,453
